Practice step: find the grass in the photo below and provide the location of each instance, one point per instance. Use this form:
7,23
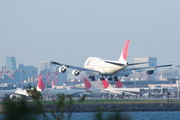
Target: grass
127,101
124,101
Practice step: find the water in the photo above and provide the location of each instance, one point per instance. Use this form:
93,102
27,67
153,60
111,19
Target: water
132,115
155,115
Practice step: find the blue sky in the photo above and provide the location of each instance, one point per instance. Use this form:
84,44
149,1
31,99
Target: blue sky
69,31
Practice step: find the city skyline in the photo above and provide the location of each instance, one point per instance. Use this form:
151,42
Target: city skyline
70,31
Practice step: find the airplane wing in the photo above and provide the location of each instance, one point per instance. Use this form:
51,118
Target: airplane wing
74,67
129,70
137,63
139,69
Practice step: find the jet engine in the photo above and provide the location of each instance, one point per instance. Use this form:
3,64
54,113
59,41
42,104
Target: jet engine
75,72
149,72
15,97
12,96
62,69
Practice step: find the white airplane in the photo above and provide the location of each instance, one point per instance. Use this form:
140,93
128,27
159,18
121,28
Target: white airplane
42,88
108,67
105,87
100,66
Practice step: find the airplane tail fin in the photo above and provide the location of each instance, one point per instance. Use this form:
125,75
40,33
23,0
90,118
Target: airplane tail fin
87,83
119,84
106,84
99,84
40,85
124,53
52,84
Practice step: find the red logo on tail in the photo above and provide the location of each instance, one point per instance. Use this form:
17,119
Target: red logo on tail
119,84
105,84
87,83
41,85
125,49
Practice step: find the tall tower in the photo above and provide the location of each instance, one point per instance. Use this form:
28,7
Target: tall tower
11,64
151,61
45,65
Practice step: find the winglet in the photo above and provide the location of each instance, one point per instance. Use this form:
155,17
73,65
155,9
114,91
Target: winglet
87,83
124,53
40,85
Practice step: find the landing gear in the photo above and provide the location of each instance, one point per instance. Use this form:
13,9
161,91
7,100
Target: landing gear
115,78
102,78
110,78
92,77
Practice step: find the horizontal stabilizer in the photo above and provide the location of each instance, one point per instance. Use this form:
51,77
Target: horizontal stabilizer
114,63
137,63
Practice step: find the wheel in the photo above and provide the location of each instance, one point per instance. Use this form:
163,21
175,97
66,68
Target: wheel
102,78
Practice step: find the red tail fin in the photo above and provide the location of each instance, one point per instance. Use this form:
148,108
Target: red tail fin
52,83
124,53
119,84
40,85
87,83
105,84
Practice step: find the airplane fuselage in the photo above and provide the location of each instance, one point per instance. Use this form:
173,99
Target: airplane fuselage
98,64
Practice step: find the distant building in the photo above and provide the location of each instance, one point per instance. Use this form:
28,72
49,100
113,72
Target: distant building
152,61
10,64
25,74
30,71
45,65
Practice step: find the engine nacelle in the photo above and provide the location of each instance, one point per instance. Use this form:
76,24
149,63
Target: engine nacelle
62,69
149,72
75,72
12,96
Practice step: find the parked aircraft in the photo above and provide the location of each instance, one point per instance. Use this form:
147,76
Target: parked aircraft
105,87
42,88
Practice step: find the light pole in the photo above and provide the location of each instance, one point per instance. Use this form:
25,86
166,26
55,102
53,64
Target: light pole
178,66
